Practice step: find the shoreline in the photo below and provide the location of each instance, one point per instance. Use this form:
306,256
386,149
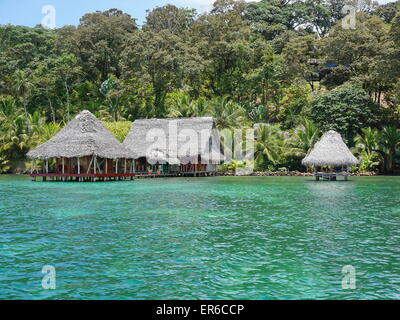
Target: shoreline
296,174
261,174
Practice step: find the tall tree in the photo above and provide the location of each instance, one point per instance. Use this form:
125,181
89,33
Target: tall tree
23,86
169,17
98,42
346,109
388,11
159,58
366,52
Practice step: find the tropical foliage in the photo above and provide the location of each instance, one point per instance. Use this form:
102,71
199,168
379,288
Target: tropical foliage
287,65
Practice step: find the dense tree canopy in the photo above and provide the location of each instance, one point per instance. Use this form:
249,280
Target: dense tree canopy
346,109
280,62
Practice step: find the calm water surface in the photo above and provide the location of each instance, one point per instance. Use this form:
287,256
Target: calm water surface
205,238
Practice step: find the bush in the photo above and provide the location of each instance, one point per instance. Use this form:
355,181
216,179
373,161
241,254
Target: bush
119,129
346,109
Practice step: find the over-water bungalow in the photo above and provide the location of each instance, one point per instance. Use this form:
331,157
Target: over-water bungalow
330,157
175,147
84,150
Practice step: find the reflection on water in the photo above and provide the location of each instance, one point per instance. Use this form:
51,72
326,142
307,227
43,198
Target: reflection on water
211,238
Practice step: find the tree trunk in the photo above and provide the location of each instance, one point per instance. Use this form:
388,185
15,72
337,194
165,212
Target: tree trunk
53,114
24,102
67,93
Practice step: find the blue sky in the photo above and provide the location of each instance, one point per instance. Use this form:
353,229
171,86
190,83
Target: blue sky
29,12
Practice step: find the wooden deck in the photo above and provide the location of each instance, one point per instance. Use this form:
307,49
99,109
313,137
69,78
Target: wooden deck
90,177
331,176
176,174
83,177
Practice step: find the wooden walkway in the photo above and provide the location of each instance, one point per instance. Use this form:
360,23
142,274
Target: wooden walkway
83,177
176,174
90,177
331,176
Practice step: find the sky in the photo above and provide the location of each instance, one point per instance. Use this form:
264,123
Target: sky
68,12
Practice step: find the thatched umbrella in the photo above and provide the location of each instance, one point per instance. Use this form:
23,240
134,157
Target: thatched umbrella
84,136
330,151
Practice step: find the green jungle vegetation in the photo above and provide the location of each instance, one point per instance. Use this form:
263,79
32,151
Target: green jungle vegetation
287,63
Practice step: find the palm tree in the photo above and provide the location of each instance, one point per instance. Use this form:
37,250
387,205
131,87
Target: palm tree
4,162
22,86
304,138
45,133
184,107
367,141
16,138
389,144
227,114
367,146
35,121
18,132
269,146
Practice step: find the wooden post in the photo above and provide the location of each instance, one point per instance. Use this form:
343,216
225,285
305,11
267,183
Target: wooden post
94,166
116,165
106,165
33,164
47,166
63,166
79,169
98,166
125,167
90,164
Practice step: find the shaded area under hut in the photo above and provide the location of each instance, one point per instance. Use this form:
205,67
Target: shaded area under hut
330,157
175,147
84,150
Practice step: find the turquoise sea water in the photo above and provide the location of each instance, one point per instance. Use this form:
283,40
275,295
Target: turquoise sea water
204,238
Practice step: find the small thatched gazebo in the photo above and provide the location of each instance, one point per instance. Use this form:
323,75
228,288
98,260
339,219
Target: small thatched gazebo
83,149
333,152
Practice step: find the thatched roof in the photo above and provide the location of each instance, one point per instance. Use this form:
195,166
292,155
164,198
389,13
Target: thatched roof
179,148
330,151
83,136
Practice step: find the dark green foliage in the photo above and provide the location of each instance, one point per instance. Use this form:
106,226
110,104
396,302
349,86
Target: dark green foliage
346,109
271,61
388,11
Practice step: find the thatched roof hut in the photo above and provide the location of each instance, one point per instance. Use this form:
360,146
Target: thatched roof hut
206,142
83,136
330,151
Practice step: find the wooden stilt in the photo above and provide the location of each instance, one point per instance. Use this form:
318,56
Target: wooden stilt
94,166
79,169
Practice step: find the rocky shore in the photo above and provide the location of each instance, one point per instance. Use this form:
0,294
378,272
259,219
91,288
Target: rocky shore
251,174
287,174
